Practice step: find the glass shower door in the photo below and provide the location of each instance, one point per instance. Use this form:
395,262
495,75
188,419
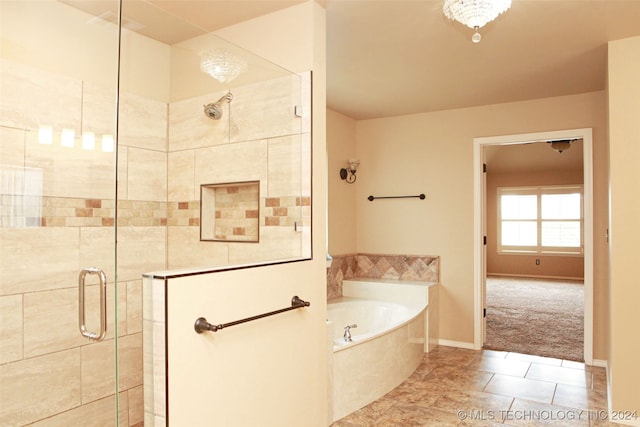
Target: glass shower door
58,291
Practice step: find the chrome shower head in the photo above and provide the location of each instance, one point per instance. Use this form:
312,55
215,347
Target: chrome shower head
214,109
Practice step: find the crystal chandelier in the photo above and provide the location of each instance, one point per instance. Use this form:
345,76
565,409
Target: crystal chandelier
475,13
222,65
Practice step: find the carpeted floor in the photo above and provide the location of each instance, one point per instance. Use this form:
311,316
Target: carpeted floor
536,316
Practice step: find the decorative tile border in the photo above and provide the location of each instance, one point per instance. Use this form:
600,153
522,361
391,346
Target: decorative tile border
32,211
397,267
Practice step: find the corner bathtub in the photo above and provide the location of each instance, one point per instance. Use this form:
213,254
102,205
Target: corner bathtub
387,345
372,318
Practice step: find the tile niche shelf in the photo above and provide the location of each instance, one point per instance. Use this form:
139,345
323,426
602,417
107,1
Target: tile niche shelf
230,212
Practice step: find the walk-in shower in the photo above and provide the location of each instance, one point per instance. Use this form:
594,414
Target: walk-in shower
214,109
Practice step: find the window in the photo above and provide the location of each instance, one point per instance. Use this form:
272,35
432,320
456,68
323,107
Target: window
540,220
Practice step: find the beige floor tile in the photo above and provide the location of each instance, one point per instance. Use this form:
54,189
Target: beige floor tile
473,402
414,415
573,364
539,391
535,359
559,374
529,413
457,378
441,393
515,368
495,353
579,397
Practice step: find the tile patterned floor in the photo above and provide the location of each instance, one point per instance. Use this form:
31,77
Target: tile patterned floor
459,387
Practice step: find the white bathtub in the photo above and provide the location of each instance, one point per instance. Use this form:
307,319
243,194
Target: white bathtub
372,318
387,345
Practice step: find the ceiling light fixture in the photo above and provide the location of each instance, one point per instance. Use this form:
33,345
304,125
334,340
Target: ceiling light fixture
561,145
475,13
222,65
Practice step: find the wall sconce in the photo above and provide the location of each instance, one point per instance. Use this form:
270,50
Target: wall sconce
349,174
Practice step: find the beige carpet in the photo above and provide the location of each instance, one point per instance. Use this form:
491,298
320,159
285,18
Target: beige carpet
535,316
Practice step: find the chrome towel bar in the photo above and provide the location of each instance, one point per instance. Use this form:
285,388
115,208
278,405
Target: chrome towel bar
202,325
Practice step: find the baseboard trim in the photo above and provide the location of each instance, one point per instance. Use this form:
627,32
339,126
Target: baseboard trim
532,276
459,344
626,422
599,363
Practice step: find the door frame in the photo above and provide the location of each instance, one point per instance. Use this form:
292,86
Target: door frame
479,223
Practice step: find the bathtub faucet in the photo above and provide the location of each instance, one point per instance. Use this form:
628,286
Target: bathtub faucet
347,332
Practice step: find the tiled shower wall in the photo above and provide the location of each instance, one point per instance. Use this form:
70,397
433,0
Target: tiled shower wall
65,222
259,138
57,210
398,267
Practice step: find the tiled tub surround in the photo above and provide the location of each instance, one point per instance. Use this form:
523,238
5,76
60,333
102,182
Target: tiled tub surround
379,360
65,222
397,267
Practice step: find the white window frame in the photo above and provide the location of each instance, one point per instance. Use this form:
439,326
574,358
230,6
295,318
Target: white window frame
538,248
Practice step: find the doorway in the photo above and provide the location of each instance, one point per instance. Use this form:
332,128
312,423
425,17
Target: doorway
481,145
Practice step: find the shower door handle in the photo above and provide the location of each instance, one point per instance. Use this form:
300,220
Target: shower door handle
93,336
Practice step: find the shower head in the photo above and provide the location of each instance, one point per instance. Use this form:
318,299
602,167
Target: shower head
214,109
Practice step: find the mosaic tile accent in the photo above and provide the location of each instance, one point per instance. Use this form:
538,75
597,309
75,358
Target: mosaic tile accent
396,267
45,211
74,212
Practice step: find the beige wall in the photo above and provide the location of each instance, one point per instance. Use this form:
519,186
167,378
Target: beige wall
432,153
341,138
624,157
553,266
276,367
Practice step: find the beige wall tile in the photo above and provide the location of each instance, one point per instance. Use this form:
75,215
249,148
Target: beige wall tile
123,408
141,249
185,250
305,139
97,249
181,185
189,128
123,172
95,414
285,155
36,259
98,110
39,387
275,243
134,306
130,361
232,163
136,405
143,122
72,172
92,307
21,85
265,109
98,371
11,149
10,328
146,175
58,310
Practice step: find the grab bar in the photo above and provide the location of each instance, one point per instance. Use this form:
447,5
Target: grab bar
419,196
202,325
